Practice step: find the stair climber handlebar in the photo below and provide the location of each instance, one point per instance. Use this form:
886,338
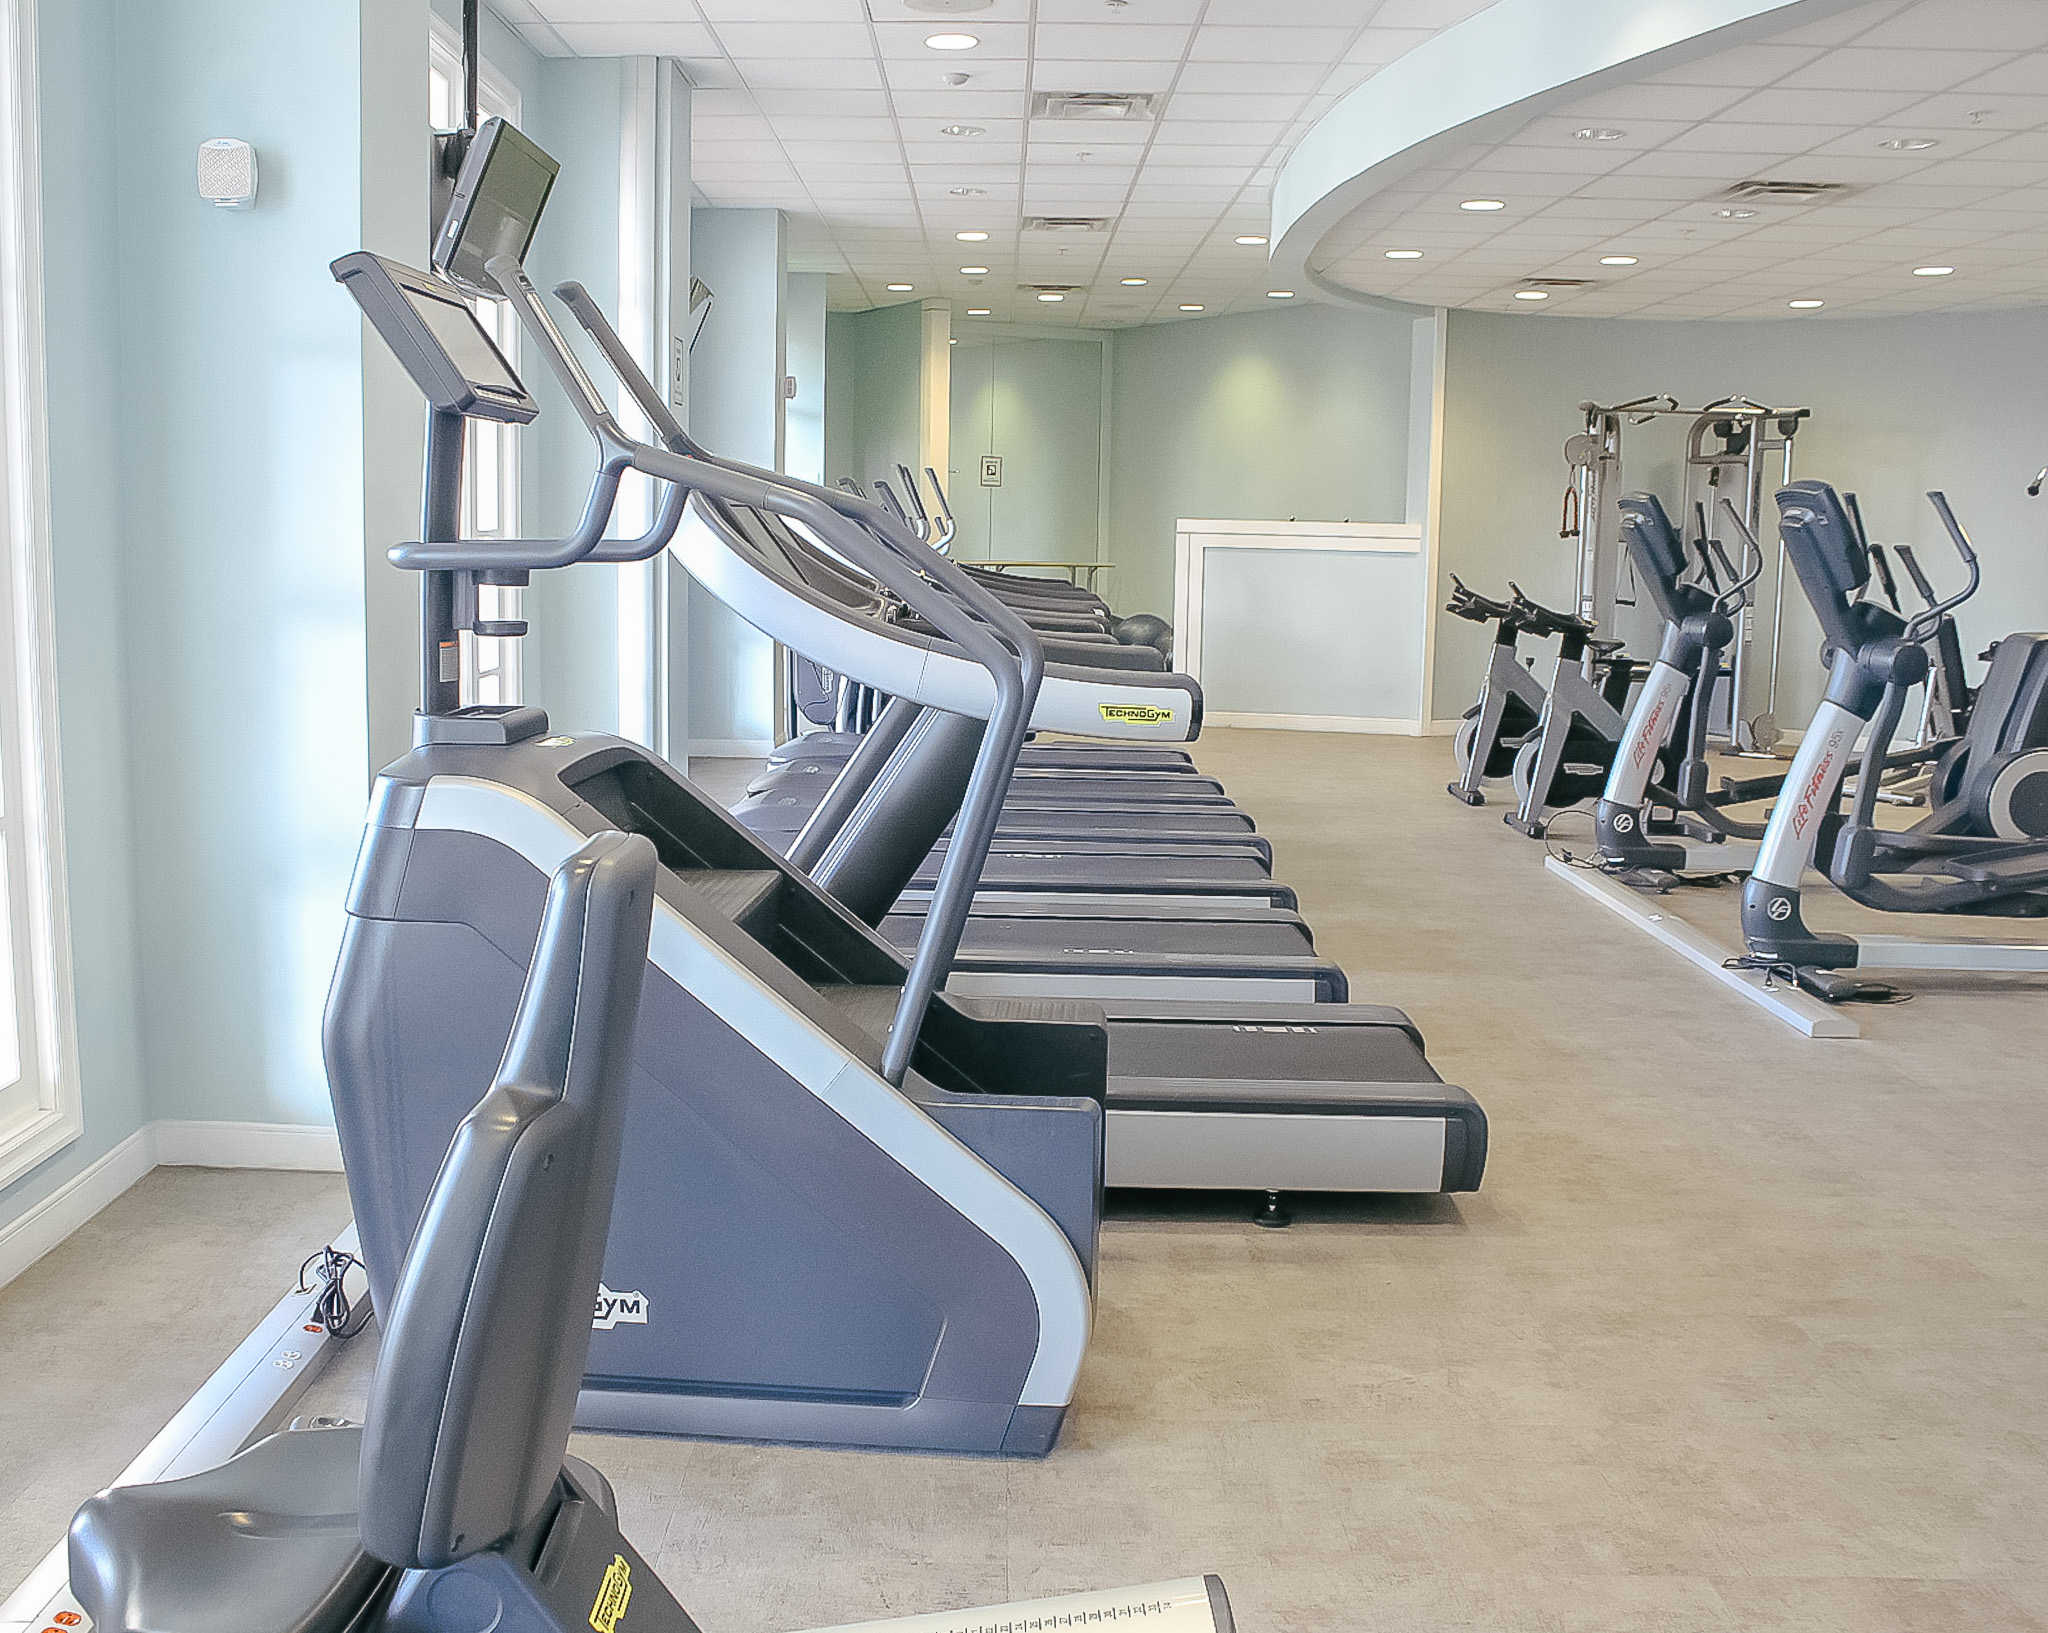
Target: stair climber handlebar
934,588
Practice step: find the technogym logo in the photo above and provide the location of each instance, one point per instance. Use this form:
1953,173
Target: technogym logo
1134,714
615,1308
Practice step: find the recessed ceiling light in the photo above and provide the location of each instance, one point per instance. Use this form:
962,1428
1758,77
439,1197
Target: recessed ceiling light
1736,215
1806,306
1192,306
1932,271
1617,260
972,237
952,42
1133,283
963,130
1403,254
968,192
1598,133
977,311
1049,296
899,289
1250,238
975,271
1279,294
1532,294
1481,205
953,340
1909,144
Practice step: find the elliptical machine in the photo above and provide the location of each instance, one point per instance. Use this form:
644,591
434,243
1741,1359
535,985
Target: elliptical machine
1982,850
1657,814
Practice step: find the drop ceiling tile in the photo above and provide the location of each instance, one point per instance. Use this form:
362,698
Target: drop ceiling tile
1991,25
1294,80
905,41
1668,102
809,129
802,73
1377,46
1746,65
1896,69
758,11
1212,107
841,40
993,74
957,107
638,39
1777,106
1175,132
1269,42
1056,74
1089,135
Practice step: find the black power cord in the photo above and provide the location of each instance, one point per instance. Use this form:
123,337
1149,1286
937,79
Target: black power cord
336,1311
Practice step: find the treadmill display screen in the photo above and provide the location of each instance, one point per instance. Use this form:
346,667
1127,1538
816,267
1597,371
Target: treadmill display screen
455,326
499,196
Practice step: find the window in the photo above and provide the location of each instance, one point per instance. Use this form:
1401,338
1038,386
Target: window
39,1111
490,495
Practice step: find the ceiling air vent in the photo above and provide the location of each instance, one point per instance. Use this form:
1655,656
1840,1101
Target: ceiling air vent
1557,283
1785,192
1050,289
1125,106
1066,223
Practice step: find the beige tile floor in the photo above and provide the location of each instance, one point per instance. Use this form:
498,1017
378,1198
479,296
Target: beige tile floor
1745,1331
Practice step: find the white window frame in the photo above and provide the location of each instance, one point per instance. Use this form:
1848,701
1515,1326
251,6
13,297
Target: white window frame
49,1116
490,667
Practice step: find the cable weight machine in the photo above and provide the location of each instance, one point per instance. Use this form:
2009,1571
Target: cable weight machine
1735,449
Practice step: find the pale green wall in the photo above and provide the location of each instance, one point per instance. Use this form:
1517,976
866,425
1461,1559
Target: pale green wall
1899,405
737,410
1294,413
1037,403
805,452
871,391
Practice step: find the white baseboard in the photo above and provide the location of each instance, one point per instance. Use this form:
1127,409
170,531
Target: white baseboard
730,748
72,1204
301,1146
309,1147
1443,728
1317,722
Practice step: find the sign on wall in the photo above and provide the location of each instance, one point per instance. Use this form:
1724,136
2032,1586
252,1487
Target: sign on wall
991,470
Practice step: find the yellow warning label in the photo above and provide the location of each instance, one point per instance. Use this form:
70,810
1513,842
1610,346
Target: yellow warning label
1135,714
613,1595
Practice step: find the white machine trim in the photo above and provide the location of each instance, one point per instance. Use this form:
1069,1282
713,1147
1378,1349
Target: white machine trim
1275,1151
1798,1010
1270,989
1165,1607
818,1061
907,666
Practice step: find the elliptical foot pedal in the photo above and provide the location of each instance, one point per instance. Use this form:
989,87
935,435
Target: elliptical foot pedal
1274,1214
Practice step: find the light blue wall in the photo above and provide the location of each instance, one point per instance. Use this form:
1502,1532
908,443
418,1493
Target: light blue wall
244,523
1037,404
871,391
79,237
737,410
1294,413
574,111
1899,405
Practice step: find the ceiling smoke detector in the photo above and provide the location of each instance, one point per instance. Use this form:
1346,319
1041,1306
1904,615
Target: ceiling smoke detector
1066,223
1126,107
1785,192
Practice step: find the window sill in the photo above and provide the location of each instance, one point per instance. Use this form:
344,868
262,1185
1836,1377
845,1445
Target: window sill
33,1138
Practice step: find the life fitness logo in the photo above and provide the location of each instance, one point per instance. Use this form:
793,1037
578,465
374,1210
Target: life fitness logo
1809,796
1625,822
1649,737
1780,909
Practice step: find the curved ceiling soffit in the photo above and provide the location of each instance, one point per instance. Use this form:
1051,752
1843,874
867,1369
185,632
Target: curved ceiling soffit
1481,81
